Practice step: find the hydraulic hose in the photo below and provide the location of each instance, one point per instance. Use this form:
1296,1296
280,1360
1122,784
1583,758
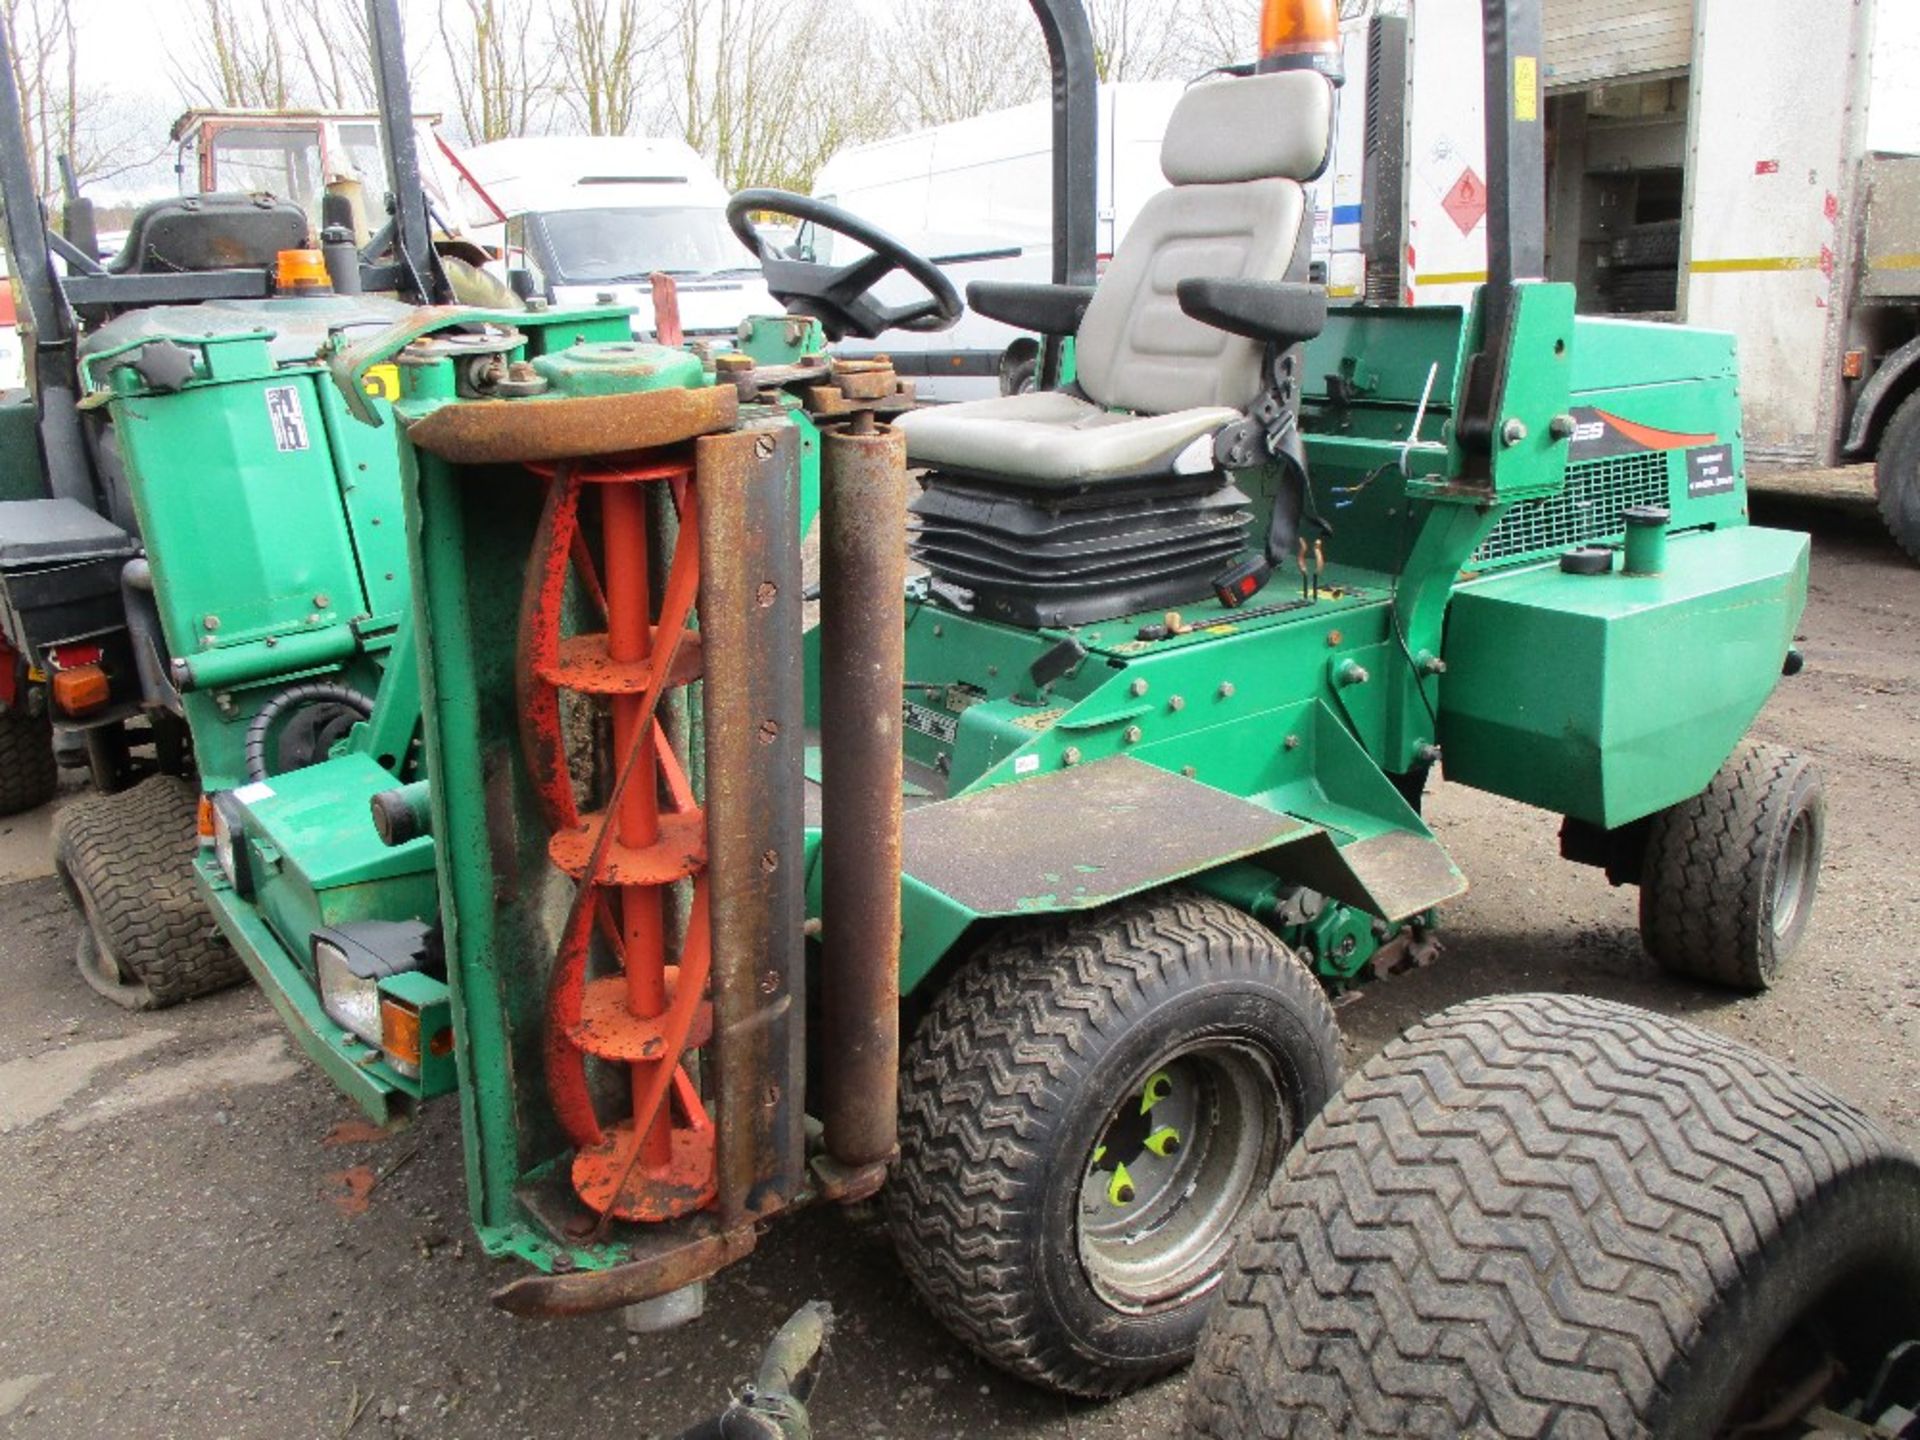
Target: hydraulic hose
312,692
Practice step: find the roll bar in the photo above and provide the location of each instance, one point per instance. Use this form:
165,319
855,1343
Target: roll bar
1076,139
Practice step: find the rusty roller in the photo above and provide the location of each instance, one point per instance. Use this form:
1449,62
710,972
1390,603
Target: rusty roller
863,523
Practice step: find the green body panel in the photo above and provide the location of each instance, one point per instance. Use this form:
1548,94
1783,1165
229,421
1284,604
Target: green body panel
261,521
272,520
1608,698
1310,729
23,475
357,1069
317,860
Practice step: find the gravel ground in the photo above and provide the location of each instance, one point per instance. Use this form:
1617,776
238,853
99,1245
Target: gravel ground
181,1253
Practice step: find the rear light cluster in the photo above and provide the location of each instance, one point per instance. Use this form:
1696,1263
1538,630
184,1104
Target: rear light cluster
80,683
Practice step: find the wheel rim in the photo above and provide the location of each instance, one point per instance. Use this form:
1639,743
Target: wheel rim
1793,881
1179,1161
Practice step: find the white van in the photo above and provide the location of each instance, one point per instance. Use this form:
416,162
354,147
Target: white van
587,220
976,197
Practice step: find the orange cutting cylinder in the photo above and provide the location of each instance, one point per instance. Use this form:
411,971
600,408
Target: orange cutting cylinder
657,1162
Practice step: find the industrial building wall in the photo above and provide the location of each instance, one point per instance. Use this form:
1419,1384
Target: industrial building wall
1591,42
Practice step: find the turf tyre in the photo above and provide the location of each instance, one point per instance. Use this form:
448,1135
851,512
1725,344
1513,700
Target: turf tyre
1729,878
1553,1216
127,863
1897,477
1008,1083
28,773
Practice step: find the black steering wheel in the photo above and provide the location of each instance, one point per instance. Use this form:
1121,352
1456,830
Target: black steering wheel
839,296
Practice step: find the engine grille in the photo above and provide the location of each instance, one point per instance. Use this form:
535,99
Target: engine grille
1589,509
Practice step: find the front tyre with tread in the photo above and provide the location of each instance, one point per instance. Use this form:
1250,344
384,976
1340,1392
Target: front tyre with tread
1089,1111
1728,883
127,863
1545,1215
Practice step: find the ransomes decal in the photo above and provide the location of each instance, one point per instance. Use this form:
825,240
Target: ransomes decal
1599,435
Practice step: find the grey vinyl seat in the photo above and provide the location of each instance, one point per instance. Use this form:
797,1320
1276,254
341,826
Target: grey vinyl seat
1155,384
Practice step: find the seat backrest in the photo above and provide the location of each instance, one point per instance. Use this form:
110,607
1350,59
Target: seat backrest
1236,152
210,232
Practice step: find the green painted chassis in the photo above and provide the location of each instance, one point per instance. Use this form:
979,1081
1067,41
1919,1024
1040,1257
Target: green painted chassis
1311,721
313,857
1554,690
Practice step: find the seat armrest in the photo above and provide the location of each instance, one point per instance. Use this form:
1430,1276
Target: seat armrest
1045,309
1279,311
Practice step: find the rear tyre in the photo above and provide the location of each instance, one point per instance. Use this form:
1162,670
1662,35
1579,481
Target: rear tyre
1729,879
1897,477
28,774
1548,1215
1089,1112
127,863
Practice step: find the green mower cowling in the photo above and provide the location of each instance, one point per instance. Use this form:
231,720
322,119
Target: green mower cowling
1264,761
1016,890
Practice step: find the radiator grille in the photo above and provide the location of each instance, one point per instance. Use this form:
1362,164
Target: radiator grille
1597,494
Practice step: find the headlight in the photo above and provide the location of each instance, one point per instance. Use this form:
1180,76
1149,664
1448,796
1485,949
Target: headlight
350,961
352,1001
230,843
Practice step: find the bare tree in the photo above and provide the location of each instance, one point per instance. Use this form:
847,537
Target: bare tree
334,48
768,91
234,60
605,43
98,133
950,60
503,68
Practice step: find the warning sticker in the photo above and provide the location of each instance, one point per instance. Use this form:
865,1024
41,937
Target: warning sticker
1710,471
937,723
289,424
1526,88
1466,202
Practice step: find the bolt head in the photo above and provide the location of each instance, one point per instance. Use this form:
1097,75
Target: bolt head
1139,687
1071,755
1227,690
1177,704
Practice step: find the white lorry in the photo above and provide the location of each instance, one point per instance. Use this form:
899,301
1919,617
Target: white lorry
588,220
1746,165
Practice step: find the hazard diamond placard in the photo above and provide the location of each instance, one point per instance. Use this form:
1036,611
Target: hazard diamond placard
1466,202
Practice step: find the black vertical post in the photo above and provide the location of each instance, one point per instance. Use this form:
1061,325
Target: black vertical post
1516,207
1076,153
1516,144
52,372
1076,139
412,227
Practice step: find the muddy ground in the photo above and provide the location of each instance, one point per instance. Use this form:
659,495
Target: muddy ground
181,1255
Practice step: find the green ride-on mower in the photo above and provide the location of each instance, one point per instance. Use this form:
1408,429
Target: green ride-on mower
1014,891
203,574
